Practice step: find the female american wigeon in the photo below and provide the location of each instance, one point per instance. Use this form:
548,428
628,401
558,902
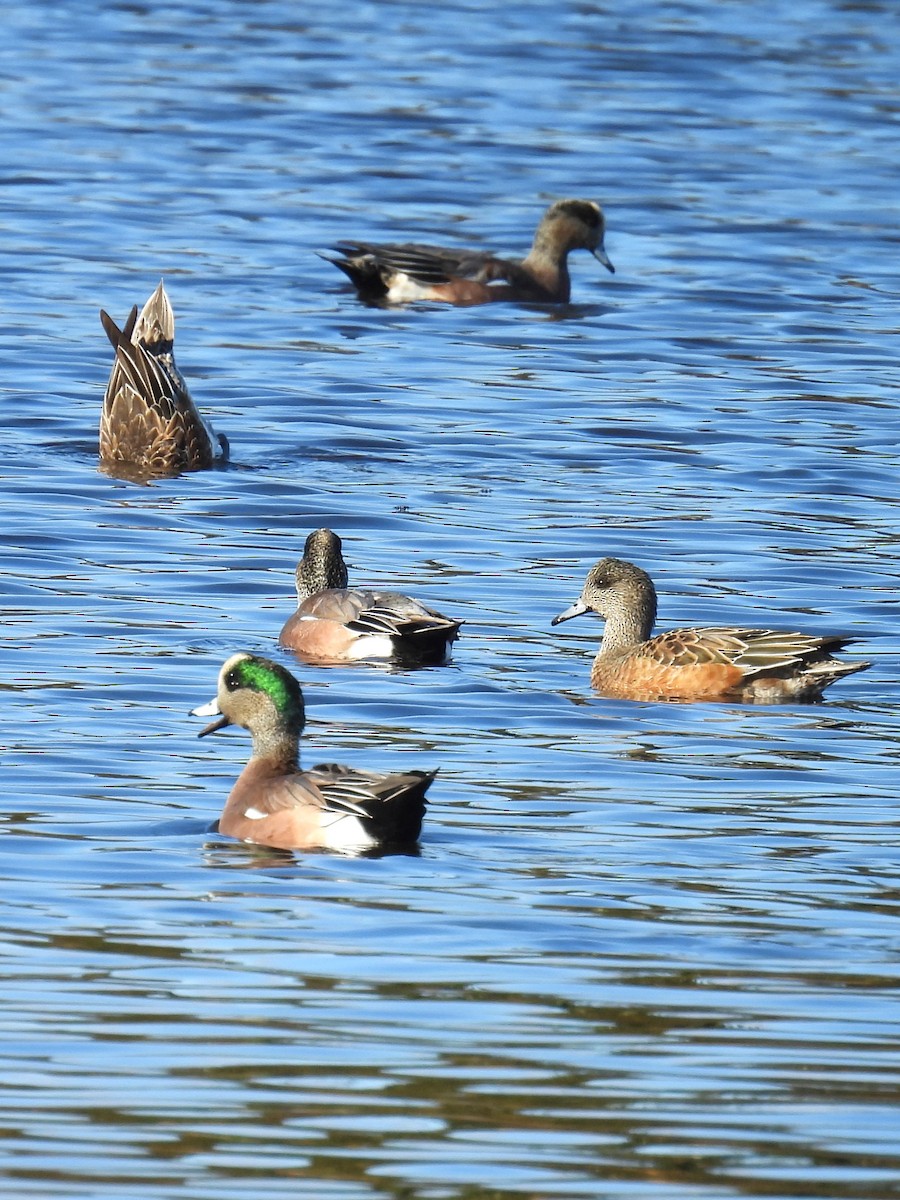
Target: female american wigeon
274,803
336,623
149,422
763,666
397,273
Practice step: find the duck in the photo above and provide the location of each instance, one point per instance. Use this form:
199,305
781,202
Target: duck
762,666
397,273
337,623
274,803
149,424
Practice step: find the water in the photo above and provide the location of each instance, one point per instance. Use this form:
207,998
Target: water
645,950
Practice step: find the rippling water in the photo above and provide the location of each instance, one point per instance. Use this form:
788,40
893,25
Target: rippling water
646,950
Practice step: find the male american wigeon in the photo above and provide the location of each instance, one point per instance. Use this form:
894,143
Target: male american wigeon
335,623
274,803
398,273
149,422
763,666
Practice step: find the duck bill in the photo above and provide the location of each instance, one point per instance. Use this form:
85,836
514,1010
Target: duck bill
210,710
602,257
574,610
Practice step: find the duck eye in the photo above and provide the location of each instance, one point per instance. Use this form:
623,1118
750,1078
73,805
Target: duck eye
232,681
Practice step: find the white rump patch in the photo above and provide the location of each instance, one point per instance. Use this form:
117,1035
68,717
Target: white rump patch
371,645
254,814
403,288
343,831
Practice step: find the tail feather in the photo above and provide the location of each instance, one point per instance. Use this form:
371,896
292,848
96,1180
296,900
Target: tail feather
392,805
400,812
363,271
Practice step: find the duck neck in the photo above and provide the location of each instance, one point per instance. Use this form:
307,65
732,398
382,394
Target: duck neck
627,627
306,585
279,748
317,572
551,269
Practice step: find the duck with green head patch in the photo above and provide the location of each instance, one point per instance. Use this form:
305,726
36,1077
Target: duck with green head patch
398,272
274,803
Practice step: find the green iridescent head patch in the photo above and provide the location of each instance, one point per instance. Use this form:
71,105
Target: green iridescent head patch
263,675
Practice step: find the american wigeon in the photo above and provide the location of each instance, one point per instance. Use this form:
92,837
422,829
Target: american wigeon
398,273
149,422
335,623
763,666
274,803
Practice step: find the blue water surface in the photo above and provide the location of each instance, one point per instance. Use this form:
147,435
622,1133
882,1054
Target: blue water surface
645,950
